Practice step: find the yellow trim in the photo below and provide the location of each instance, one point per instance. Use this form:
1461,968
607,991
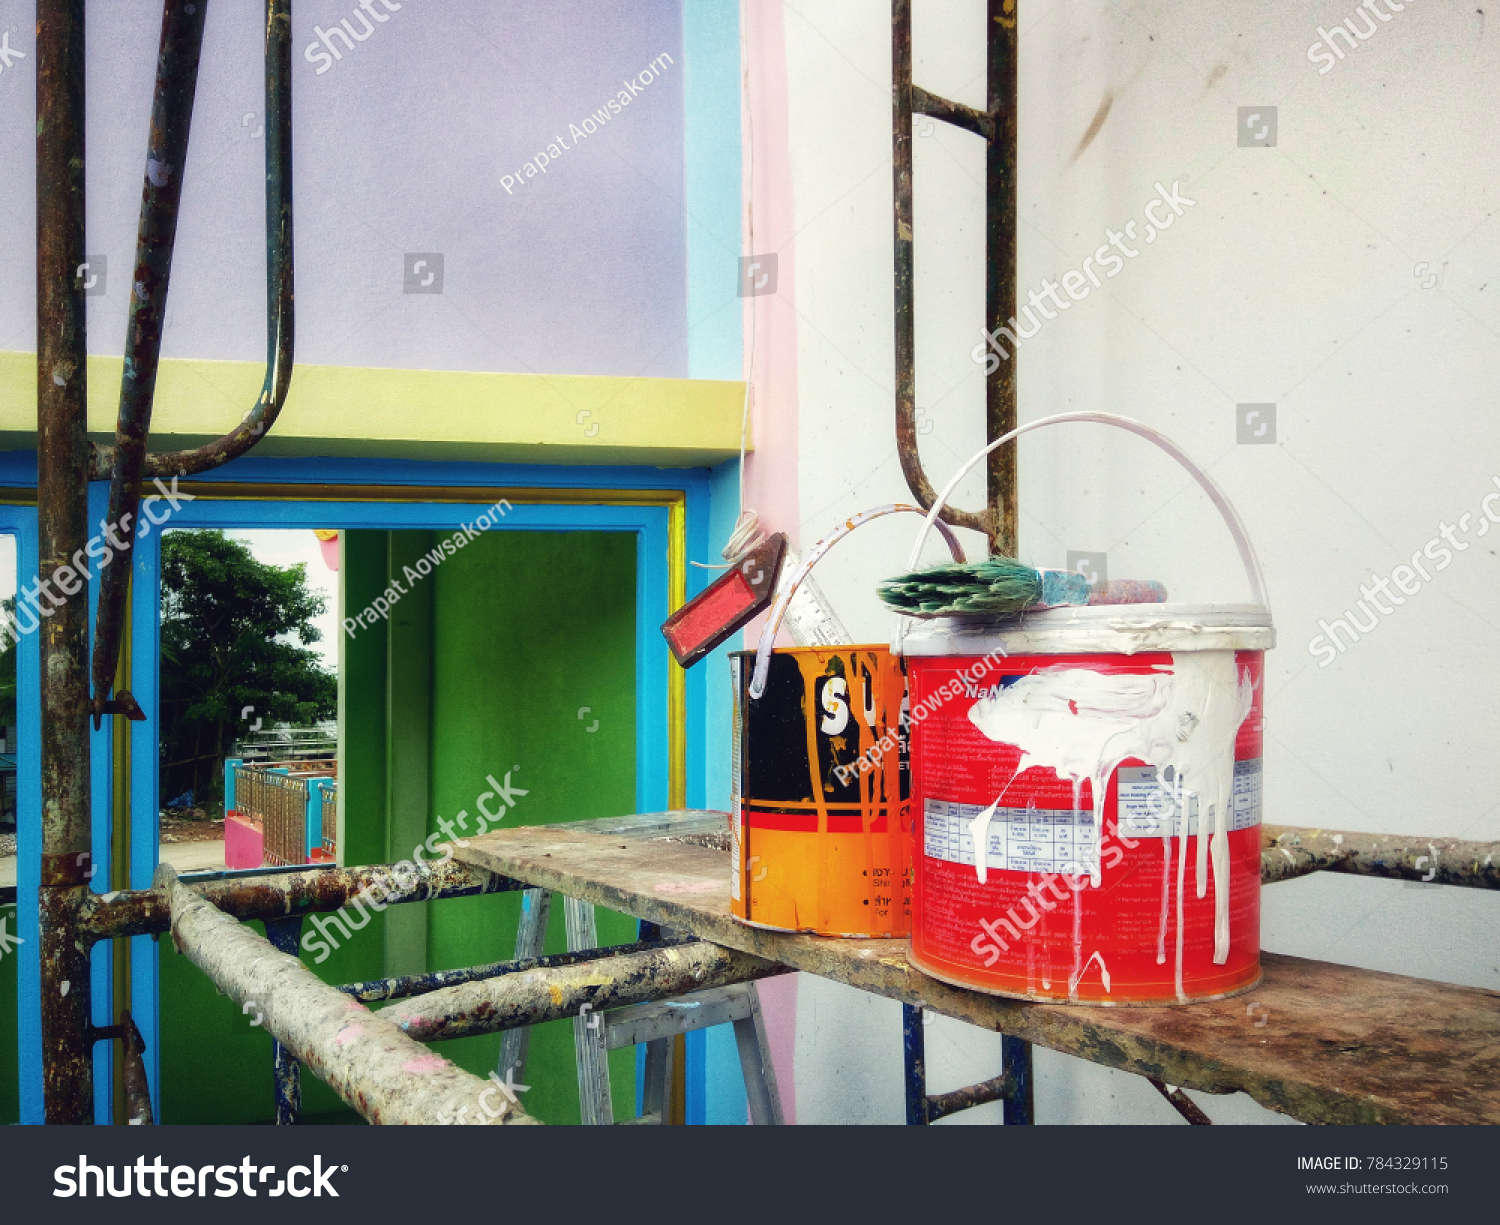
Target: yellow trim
677,678
414,414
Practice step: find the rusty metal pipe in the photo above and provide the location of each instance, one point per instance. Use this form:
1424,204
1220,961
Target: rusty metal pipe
379,989
133,1065
997,1089
62,514
534,996
370,1063
166,164
956,113
1287,853
1000,158
144,912
1181,1102
997,127
280,307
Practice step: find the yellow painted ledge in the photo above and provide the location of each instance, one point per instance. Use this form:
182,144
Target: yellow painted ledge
414,414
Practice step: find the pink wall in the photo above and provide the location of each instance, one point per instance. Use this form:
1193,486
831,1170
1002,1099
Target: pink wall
770,483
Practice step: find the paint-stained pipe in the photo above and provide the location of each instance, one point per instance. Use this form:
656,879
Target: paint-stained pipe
368,1061
546,995
166,165
280,312
144,912
1288,853
997,127
62,513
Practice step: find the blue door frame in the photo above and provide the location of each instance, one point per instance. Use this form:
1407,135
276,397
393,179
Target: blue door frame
282,508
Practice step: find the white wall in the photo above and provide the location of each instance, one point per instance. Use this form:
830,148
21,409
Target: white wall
1294,280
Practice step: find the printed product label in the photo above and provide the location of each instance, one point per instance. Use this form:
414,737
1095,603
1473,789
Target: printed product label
1018,839
1150,810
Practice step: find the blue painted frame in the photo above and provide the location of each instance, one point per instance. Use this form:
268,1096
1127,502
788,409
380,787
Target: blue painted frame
653,662
653,585
20,522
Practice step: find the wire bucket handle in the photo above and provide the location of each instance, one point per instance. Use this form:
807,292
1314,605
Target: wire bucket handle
1216,495
814,555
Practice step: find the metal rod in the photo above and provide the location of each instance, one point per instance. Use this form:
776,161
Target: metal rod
359,1054
1287,853
380,989
286,1069
956,113
997,127
996,1089
166,164
143,912
136,1090
914,1059
62,512
280,310
1182,1103
1000,269
1015,1061
547,995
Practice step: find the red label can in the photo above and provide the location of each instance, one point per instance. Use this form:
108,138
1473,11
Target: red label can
1107,877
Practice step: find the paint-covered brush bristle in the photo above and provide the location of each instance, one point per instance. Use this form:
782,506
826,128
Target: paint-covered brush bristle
993,586
999,586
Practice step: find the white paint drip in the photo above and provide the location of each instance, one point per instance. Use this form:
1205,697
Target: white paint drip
1083,724
1078,977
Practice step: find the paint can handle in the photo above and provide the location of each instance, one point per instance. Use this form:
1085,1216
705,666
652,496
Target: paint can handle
1216,495
814,555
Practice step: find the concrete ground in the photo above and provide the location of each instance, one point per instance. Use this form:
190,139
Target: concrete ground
184,856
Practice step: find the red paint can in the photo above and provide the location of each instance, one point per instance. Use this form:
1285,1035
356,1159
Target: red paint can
1108,762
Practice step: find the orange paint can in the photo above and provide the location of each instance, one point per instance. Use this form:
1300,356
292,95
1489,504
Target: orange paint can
821,823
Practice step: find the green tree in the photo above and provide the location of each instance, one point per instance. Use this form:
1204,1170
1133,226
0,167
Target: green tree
226,629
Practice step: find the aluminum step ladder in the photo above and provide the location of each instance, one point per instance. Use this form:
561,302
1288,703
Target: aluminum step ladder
656,1024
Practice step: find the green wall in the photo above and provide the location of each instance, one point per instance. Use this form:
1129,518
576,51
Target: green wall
481,669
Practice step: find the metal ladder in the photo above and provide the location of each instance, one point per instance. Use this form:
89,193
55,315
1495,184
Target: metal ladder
656,1024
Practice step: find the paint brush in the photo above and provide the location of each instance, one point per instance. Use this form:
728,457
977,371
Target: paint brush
1001,585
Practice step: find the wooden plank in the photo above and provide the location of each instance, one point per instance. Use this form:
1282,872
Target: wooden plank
1322,1043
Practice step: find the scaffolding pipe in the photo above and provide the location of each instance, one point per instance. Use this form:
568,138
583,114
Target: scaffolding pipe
535,996
280,312
374,1067
145,912
1288,853
997,127
62,529
166,163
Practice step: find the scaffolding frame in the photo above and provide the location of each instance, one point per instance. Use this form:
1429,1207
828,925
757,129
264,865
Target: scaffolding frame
375,1061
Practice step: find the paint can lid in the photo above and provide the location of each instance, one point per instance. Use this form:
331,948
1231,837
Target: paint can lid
1108,629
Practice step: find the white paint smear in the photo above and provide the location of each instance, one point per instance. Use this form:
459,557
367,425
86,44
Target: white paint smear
1083,724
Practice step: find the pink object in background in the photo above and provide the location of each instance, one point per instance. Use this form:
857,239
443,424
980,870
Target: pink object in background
328,541
244,842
